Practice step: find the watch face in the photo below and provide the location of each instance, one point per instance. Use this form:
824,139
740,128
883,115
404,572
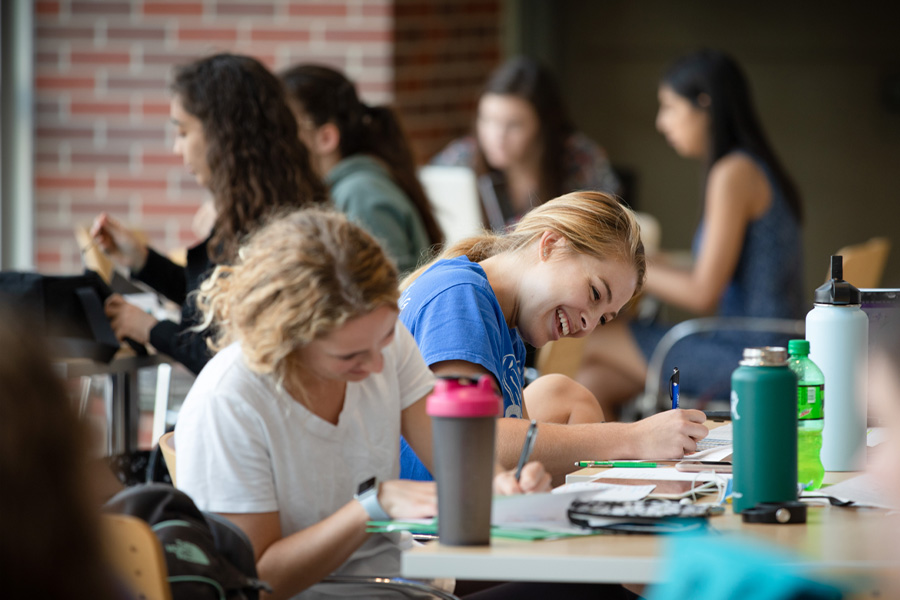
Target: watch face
365,486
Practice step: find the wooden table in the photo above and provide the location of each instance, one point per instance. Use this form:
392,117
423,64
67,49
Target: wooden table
834,540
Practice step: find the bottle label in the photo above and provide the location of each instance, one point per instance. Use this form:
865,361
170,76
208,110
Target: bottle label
810,402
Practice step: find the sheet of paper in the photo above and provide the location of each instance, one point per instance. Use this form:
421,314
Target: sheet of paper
552,507
661,474
864,490
607,491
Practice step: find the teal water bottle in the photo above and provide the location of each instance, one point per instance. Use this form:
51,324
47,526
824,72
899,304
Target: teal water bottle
764,421
810,414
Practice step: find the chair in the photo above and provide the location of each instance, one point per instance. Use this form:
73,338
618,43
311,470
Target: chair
414,589
453,193
863,266
137,556
167,446
864,262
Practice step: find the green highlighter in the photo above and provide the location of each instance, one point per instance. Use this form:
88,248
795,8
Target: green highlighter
615,463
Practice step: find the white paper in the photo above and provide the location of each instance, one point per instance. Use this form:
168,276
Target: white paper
864,490
552,507
661,474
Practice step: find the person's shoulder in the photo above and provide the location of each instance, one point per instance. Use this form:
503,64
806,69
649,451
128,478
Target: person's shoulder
455,271
460,152
736,177
226,379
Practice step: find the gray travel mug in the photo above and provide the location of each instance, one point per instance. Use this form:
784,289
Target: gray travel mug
463,415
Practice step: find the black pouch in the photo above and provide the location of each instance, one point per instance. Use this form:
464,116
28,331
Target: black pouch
69,308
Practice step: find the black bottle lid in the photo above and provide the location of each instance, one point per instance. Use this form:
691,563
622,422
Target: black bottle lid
837,291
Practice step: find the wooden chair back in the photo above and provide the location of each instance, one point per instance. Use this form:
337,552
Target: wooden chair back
864,263
137,556
167,446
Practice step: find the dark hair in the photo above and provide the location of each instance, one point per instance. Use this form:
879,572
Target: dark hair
529,80
256,160
49,529
327,96
733,121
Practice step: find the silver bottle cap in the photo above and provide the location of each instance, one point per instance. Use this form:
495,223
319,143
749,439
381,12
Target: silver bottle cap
768,356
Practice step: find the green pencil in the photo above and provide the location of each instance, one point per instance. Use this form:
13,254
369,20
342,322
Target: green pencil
613,463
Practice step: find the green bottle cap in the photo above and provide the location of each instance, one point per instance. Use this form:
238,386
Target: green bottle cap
798,348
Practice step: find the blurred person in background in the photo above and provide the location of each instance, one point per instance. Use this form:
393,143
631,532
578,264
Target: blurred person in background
525,149
238,138
362,153
747,247
50,545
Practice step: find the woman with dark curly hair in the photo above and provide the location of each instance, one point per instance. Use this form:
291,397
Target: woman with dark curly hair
238,137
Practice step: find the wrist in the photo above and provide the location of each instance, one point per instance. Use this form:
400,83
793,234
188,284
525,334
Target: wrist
367,496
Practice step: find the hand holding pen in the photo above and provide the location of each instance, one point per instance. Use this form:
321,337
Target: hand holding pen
673,387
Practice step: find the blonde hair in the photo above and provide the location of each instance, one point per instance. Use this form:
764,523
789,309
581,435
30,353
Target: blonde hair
296,279
593,223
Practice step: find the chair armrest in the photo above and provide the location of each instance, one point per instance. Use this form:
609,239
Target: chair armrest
412,588
651,402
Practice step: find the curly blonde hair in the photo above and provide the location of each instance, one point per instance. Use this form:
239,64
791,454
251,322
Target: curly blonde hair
594,223
296,279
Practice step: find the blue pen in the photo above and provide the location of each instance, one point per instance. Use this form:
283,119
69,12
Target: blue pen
673,387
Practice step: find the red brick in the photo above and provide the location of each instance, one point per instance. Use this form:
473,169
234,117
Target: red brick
169,58
244,9
100,108
155,109
50,82
173,8
377,10
336,9
134,84
279,35
101,8
100,58
46,8
65,133
359,35
134,134
162,160
169,209
48,260
136,34
48,181
99,159
136,183
50,32
219,34
46,58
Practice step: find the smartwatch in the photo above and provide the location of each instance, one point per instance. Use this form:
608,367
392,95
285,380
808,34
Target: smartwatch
367,495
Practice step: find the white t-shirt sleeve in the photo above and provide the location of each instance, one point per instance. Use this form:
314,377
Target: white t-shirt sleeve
223,455
415,378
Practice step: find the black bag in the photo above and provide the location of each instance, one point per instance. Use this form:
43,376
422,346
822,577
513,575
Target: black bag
69,308
207,556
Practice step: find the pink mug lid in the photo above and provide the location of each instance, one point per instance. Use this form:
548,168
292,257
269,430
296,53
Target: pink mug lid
461,397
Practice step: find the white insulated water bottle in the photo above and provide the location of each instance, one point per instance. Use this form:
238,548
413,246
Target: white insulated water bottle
838,333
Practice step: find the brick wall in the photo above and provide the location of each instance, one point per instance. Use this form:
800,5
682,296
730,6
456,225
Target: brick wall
103,142
444,51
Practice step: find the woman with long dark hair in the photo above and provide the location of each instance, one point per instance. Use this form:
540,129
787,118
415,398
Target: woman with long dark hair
364,156
747,246
525,148
238,138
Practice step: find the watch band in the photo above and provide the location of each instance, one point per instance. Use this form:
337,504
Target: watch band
368,497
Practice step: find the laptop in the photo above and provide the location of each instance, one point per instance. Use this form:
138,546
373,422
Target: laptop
882,306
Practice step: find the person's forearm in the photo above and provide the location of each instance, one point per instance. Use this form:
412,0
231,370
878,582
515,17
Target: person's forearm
298,561
559,446
680,288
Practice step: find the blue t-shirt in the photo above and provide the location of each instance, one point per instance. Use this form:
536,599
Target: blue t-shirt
453,314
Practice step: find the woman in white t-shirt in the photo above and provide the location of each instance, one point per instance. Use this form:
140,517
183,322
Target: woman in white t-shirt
313,384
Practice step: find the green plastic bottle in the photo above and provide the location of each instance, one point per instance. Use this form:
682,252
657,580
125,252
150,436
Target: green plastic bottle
810,414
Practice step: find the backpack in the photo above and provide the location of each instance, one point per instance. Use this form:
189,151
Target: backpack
207,556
